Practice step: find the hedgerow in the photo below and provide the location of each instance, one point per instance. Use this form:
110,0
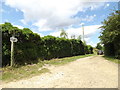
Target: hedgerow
31,47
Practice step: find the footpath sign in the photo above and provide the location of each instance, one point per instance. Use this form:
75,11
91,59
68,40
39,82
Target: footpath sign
12,39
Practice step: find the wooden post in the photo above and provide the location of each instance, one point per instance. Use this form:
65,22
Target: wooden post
12,54
12,39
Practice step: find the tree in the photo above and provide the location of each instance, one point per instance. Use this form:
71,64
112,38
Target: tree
73,37
110,35
90,49
99,46
63,34
79,37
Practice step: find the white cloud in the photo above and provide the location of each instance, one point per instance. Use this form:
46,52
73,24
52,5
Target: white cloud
20,27
43,25
56,33
53,14
91,43
88,18
35,31
16,10
23,21
2,10
89,31
41,35
107,5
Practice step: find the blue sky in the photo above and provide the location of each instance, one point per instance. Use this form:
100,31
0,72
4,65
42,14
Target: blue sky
48,17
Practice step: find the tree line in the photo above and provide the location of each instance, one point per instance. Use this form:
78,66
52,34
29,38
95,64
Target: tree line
31,47
110,35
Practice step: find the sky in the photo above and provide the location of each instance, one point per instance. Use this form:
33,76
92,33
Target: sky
48,17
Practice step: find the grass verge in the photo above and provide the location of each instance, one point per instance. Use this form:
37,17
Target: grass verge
65,60
113,59
13,74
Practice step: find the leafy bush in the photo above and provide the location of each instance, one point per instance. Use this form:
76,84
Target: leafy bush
88,49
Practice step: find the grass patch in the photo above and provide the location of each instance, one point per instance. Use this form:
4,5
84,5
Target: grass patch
13,74
111,58
66,60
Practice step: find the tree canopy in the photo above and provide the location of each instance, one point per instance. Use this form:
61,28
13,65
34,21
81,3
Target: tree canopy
110,35
99,46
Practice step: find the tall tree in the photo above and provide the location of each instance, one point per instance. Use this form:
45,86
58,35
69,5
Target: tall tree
79,37
99,46
63,34
110,35
73,37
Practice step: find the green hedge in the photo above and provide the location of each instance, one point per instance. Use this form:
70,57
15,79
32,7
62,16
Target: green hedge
31,47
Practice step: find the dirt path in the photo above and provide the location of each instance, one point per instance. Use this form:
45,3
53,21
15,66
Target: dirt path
89,72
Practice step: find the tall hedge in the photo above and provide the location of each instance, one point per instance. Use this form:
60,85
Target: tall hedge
30,46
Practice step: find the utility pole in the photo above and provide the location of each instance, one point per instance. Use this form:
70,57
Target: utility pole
12,39
83,32
83,35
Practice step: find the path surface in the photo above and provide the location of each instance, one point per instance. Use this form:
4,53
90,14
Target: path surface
89,72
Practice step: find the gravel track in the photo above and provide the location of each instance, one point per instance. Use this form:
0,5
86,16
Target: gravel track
89,72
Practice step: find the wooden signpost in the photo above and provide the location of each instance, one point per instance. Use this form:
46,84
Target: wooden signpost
12,39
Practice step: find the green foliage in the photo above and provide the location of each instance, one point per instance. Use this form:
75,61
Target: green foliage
63,34
111,34
27,71
109,49
77,47
65,60
99,46
25,48
31,47
112,58
88,49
